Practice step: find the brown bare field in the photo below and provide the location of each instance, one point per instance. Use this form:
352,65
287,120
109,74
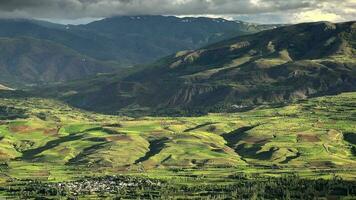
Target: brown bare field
307,138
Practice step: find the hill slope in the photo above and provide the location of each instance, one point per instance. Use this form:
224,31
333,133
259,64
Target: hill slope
272,66
84,42
33,61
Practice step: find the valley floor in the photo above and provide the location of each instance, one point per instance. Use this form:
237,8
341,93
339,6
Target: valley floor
48,141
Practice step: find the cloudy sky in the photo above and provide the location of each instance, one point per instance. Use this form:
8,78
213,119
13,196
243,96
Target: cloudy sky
261,11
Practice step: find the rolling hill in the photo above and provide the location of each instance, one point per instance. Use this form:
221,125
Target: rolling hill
40,135
273,66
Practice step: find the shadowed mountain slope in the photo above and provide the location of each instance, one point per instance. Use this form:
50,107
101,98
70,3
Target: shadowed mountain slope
33,61
120,41
273,66
143,39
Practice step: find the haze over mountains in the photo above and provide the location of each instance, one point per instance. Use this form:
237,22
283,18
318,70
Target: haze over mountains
273,66
39,52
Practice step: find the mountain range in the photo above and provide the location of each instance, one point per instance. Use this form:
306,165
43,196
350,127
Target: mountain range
270,67
240,67
38,52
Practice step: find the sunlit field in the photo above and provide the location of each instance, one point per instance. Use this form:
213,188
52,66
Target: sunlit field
49,142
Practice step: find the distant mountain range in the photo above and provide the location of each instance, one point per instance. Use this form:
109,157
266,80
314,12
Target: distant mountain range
273,66
39,52
25,60
143,39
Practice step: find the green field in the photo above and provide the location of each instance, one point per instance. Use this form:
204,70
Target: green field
48,141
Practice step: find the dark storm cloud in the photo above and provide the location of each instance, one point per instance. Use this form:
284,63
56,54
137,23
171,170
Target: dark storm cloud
73,9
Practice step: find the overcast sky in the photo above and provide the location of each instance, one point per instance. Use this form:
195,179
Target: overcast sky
261,11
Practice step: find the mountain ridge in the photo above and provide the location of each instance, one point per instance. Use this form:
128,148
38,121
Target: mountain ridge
121,41
273,66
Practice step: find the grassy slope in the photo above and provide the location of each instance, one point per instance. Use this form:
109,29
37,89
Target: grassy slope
311,137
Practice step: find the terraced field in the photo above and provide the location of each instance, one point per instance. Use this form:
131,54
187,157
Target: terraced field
49,141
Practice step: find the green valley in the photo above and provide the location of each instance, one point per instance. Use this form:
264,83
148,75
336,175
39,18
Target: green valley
51,142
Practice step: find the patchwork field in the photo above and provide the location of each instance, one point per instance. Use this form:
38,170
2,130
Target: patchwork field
48,141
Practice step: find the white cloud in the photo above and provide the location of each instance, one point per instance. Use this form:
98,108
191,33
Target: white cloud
317,15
